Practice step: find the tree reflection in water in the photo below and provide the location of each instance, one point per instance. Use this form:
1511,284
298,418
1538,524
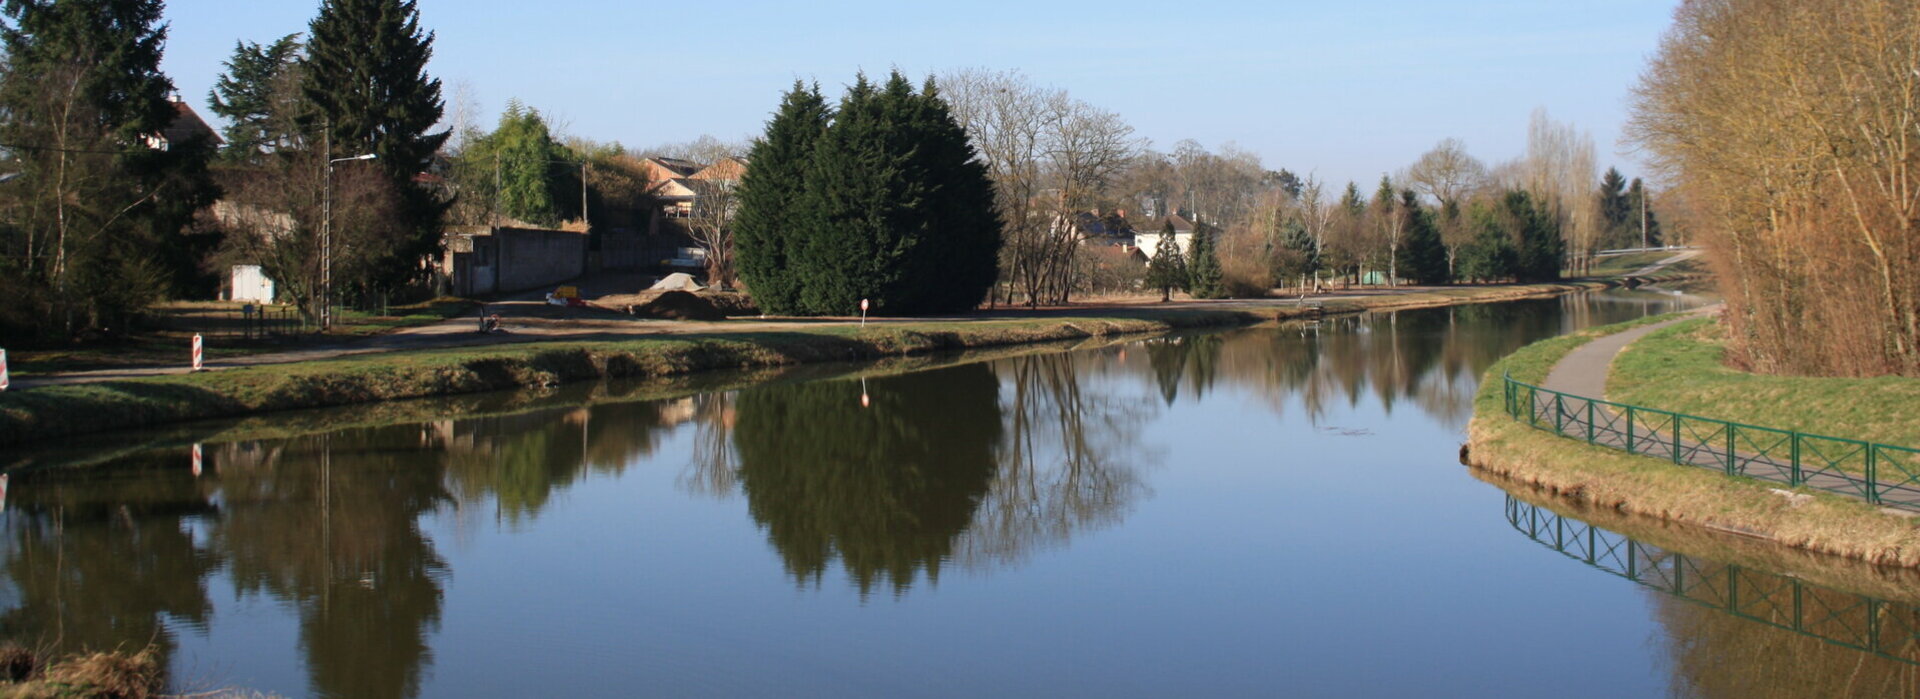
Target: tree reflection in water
885,489
978,465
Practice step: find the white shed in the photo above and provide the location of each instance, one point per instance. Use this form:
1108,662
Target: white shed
251,285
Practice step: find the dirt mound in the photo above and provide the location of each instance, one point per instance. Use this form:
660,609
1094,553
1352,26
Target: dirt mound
726,303
677,305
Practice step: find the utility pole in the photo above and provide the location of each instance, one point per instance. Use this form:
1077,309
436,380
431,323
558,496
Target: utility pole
1643,217
326,237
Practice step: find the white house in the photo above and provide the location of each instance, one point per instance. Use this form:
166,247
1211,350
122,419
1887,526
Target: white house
1147,238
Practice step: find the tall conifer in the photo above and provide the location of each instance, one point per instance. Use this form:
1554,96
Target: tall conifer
1423,258
366,75
1203,266
768,227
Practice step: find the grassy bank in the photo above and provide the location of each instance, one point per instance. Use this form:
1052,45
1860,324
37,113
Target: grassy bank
1609,479
53,411
1680,369
175,323
70,409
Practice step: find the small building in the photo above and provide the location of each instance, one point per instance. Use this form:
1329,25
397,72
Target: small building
247,283
1148,239
482,260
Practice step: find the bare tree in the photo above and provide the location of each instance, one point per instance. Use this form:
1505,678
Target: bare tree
1052,158
1446,173
1790,126
711,224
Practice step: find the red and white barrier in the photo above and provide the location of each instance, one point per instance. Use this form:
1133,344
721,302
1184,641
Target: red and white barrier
4,381
197,348
196,459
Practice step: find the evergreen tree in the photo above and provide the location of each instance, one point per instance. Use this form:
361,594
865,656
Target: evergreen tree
856,192
1297,256
894,208
1168,269
1491,256
770,194
1615,214
1539,249
366,77
1639,214
1203,266
101,214
254,93
1423,258
958,257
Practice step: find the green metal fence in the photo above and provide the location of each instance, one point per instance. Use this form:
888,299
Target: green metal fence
1882,474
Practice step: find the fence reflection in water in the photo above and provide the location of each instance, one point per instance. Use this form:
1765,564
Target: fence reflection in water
1883,628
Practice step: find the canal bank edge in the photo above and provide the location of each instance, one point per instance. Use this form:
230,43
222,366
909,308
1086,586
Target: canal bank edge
1604,478
64,410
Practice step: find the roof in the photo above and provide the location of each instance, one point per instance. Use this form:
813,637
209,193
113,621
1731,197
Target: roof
675,166
186,125
729,168
1180,225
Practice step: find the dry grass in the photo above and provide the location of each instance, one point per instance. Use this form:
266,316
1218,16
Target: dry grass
87,675
1608,479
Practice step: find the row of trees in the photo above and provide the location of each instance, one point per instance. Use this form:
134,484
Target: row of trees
1791,126
880,197
106,215
95,220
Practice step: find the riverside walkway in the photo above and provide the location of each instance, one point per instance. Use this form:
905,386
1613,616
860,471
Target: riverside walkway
1840,466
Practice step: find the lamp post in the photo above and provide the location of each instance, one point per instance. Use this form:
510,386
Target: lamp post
326,244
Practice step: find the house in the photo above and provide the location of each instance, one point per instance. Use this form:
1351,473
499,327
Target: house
1148,238
729,169
186,126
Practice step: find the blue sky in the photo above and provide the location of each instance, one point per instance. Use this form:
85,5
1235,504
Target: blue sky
1345,90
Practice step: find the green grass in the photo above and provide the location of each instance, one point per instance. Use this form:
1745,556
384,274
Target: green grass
1681,369
1518,456
77,408
169,345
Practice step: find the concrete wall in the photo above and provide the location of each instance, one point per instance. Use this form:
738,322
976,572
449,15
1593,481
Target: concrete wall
482,260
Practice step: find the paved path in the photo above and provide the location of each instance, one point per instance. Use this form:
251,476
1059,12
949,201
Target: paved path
1823,463
1583,372
1655,268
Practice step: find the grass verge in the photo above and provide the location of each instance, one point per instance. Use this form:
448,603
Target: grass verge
59,410
1680,369
1608,479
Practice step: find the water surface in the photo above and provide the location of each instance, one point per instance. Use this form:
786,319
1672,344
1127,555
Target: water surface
1262,511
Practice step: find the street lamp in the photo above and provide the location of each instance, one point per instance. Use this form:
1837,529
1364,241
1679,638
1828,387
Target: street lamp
326,244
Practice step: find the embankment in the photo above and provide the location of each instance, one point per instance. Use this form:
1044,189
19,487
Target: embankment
62,410
1607,479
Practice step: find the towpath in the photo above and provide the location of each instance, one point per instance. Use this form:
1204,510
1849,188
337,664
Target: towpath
1760,454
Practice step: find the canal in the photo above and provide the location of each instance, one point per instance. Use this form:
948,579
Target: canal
1262,511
